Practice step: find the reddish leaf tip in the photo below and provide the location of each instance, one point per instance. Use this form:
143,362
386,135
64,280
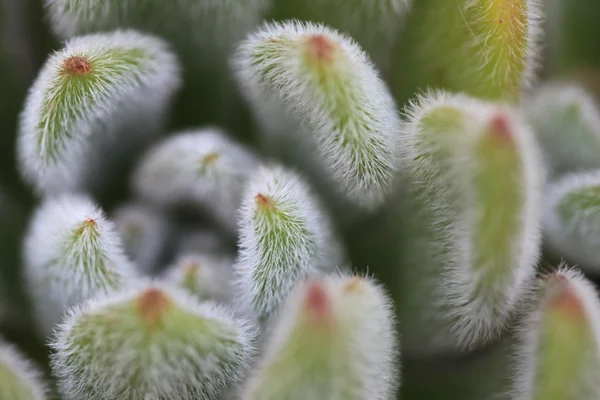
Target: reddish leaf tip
152,305
500,126
321,47
317,301
77,65
564,298
264,201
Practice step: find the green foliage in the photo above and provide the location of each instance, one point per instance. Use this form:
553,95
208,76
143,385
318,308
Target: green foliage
299,199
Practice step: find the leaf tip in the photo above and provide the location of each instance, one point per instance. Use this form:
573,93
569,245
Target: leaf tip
565,298
317,301
152,304
320,47
500,126
77,66
264,201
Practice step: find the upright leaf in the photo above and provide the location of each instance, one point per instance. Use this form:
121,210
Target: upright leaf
317,88
485,48
150,342
97,97
469,233
335,340
71,253
284,238
559,349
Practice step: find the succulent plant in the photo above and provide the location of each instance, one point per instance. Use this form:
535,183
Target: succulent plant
285,199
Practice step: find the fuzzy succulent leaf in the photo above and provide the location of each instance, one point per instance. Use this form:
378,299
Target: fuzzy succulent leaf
100,92
71,253
335,340
150,341
206,276
559,351
202,168
572,217
374,24
485,48
19,378
202,32
566,119
323,85
470,228
285,237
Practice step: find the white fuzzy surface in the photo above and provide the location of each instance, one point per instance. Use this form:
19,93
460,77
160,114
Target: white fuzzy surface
566,118
363,362
530,55
474,317
282,245
58,158
90,354
577,238
345,111
173,173
528,352
24,370
64,267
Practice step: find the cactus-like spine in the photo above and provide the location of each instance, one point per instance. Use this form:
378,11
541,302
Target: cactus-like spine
206,276
202,168
335,340
71,253
145,234
150,341
284,238
374,24
471,228
559,349
566,119
571,218
325,88
99,90
493,45
19,378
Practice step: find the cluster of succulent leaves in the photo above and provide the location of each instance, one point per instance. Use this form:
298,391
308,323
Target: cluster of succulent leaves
286,199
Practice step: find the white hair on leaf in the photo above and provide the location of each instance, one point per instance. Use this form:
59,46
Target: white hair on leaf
323,83
101,91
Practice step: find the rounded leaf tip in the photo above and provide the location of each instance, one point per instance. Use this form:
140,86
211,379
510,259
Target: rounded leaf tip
565,298
264,201
317,301
500,127
152,305
77,65
321,47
